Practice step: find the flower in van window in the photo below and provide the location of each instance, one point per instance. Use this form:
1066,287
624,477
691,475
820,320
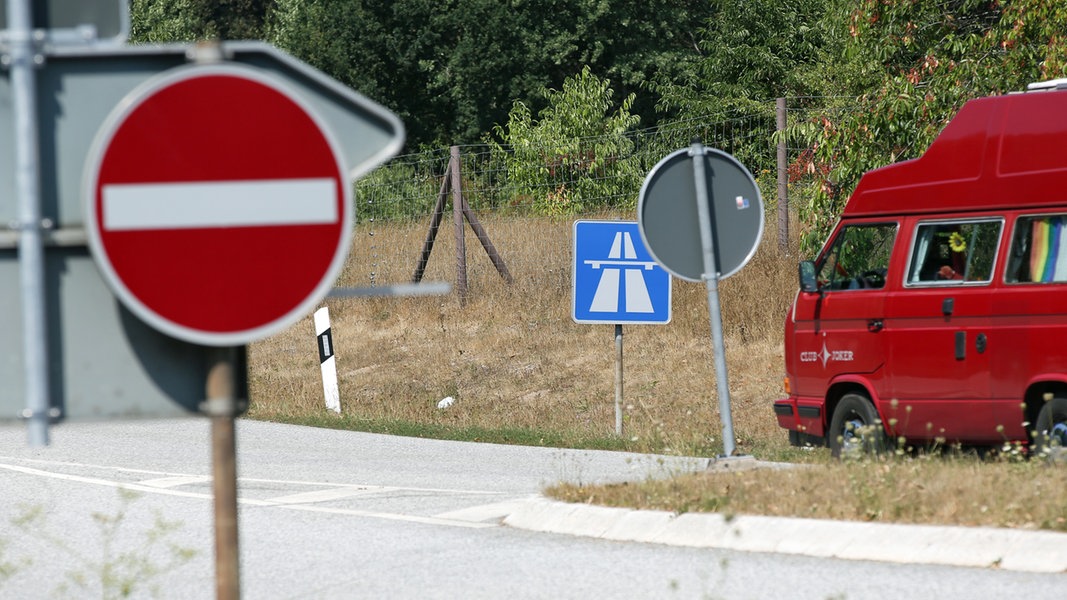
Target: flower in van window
956,242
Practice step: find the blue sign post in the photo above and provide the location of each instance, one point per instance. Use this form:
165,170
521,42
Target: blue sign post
616,280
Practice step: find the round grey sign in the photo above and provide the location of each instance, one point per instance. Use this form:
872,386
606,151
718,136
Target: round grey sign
667,214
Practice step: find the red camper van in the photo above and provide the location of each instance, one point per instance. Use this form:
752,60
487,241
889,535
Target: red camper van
937,310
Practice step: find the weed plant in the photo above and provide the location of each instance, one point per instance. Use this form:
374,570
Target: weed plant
117,571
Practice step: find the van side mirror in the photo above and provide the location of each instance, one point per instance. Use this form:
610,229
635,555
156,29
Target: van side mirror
806,273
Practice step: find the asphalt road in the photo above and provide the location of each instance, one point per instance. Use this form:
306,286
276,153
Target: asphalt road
335,514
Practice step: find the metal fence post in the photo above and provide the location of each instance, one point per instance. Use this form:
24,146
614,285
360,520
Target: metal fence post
783,176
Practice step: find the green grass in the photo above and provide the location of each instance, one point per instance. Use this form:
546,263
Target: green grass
498,435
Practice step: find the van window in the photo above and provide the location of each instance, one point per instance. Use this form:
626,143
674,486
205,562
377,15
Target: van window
858,258
954,252
1038,250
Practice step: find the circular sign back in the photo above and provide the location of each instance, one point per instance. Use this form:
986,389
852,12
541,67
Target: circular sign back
217,205
668,218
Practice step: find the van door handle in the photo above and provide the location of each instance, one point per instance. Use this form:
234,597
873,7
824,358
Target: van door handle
875,325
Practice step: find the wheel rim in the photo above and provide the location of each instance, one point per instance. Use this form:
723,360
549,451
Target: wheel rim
1058,435
851,436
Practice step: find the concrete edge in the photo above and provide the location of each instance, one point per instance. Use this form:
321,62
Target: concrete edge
982,547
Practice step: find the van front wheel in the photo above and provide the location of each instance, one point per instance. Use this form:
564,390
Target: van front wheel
1050,439
855,428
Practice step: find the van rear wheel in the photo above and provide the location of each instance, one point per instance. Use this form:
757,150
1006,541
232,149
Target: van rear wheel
855,428
1050,439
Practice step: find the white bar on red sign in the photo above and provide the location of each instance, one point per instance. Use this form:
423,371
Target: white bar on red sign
196,205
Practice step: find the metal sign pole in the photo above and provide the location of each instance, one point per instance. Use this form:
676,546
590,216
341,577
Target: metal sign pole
618,379
222,406
31,246
711,279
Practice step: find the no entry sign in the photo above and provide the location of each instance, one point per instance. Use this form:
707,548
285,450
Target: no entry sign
218,208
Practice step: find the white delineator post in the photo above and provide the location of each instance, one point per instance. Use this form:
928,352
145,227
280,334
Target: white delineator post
326,359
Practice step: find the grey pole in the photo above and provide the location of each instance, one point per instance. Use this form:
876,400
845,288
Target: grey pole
618,379
22,62
711,279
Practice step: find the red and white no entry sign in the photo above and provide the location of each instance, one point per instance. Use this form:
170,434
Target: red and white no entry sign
218,207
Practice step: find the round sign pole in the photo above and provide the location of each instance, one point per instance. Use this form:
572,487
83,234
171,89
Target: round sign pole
709,243
711,280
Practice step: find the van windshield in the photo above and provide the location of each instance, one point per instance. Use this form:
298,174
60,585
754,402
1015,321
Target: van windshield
858,258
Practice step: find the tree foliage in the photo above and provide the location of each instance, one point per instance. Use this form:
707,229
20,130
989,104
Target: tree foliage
451,70
575,154
751,52
159,21
884,75
908,67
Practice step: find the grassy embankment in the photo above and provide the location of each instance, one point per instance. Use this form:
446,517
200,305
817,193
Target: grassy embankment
523,372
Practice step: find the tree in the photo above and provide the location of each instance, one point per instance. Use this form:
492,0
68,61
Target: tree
911,66
751,52
159,21
575,155
451,70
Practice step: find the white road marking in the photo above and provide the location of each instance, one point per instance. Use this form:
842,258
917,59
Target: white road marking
276,503
485,512
337,493
175,481
167,474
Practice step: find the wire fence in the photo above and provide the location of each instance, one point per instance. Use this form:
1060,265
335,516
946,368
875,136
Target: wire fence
509,187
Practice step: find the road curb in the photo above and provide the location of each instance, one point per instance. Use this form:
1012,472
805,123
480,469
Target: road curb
984,547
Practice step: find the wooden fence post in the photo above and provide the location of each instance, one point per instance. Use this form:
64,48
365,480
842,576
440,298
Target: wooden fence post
435,224
457,217
453,178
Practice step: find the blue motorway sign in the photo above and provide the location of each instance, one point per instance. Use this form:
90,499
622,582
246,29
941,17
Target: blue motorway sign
616,280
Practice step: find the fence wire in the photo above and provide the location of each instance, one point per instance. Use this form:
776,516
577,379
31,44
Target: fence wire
516,191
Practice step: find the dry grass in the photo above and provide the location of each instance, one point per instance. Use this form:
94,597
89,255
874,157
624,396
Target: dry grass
522,371
953,490
514,360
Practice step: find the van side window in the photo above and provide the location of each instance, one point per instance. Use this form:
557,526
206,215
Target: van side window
1038,250
954,253
858,258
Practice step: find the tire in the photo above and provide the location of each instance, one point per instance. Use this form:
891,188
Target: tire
855,428
1050,430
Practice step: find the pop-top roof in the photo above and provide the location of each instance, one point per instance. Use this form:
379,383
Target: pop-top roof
998,152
